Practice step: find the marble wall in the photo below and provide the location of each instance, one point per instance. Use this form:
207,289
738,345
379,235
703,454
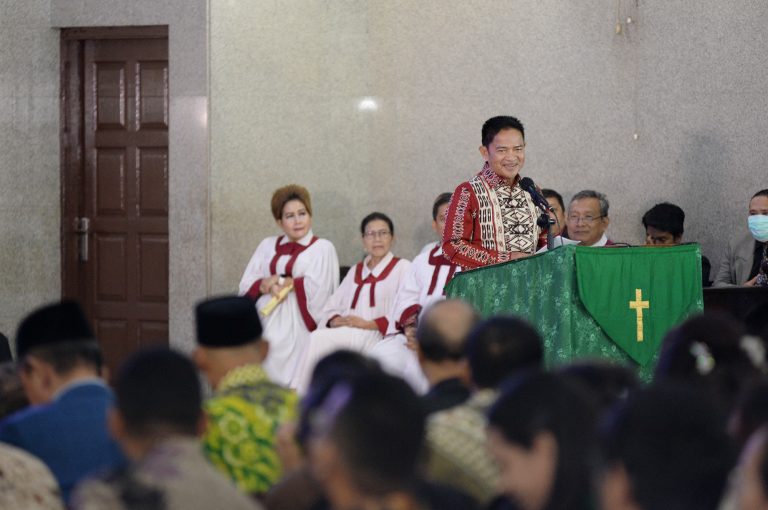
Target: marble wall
29,160
690,81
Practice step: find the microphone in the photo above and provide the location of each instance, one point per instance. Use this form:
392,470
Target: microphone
527,184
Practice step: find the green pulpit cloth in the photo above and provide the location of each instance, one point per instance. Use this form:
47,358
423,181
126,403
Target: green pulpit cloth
593,302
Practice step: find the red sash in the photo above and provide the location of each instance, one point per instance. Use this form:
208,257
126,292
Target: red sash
438,261
371,279
290,248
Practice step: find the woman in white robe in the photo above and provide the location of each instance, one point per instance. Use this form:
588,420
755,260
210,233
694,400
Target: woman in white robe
296,260
424,284
356,316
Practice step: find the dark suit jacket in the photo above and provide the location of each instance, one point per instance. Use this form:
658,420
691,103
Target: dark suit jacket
69,434
444,395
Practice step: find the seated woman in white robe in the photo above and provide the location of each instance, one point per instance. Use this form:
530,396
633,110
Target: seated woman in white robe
425,284
298,268
356,316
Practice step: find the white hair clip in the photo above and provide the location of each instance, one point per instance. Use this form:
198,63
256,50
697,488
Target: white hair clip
754,349
705,363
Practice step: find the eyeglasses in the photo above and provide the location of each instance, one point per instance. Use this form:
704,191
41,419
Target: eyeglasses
587,220
379,234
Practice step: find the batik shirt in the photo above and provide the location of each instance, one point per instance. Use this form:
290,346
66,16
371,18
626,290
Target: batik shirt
243,417
488,220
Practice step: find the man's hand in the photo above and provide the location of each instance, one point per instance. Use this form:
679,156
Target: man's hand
751,283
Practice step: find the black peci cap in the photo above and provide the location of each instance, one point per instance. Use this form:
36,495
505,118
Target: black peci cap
227,321
52,324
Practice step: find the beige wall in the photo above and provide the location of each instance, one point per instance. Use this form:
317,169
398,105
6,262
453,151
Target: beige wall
29,160
690,80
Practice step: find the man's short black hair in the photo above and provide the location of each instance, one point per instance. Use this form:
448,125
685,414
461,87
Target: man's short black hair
501,346
494,125
442,199
66,356
672,443
159,390
665,217
761,193
377,423
550,193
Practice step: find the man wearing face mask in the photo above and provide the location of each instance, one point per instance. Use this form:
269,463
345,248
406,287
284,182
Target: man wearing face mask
746,259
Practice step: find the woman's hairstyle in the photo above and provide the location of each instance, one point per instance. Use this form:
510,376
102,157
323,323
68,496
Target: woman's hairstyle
535,403
377,216
283,195
710,353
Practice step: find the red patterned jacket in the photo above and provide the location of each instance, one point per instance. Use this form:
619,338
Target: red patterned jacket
488,220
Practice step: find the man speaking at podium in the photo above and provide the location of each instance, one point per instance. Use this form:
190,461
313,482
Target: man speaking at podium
491,218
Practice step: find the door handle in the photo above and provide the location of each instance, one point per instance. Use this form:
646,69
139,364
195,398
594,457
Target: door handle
82,229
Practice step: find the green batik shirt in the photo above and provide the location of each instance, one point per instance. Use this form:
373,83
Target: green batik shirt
243,417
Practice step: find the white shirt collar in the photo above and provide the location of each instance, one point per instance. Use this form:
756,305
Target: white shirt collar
379,267
304,241
602,241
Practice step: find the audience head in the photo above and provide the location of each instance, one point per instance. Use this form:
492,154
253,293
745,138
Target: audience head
587,218
366,438
758,216
752,489
664,224
5,349
665,447
292,210
442,337
228,335
500,347
341,365
378,233
710,353
608,382
503,146
55,345
555,201
541,434
439,211
157,395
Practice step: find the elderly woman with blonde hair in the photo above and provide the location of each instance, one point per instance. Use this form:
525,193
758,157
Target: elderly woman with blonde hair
290,276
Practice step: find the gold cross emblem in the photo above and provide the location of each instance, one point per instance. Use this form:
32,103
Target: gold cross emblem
638,305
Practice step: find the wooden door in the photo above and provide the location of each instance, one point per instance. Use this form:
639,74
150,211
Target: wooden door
115,189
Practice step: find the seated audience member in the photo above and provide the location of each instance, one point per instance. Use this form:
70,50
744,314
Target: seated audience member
710,354
607,382
752,484
157,420
541,433
555,201
246,407
356,315
664,226
665,447
441,344
745,261
26,483
12,397
299,266
587,218
298,489
424,284
497,348
365,443
66,425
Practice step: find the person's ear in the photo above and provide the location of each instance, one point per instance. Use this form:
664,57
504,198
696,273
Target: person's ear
678,239
484,152
615,489
202,424
199,358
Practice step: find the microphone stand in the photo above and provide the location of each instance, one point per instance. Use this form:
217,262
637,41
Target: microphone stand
544,221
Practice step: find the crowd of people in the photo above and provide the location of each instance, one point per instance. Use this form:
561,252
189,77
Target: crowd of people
370,390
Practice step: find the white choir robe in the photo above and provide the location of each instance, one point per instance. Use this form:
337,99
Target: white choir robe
315,274
423,286
326,339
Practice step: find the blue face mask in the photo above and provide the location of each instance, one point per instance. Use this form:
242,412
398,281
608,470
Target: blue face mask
758,225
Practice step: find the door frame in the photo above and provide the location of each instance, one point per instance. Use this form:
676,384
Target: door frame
72,142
